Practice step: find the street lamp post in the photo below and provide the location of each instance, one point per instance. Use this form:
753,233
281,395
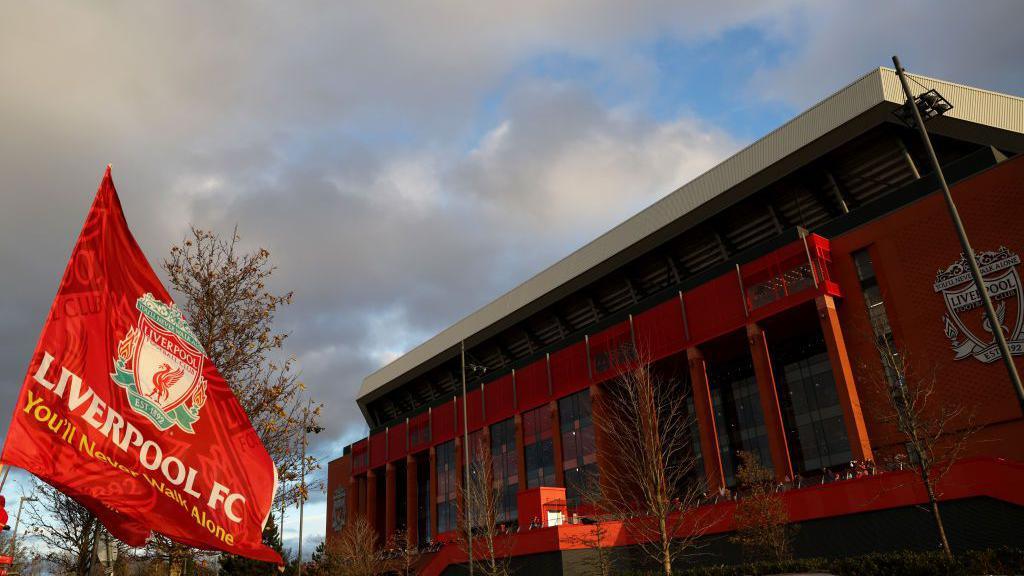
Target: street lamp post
979,283
306,431
465,446
17,520
465,463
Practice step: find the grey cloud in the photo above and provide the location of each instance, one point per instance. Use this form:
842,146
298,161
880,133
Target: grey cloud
381,260
831,43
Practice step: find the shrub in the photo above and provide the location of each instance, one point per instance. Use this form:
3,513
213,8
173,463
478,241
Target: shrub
901,563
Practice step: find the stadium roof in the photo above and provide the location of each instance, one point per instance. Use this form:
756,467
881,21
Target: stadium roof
978,116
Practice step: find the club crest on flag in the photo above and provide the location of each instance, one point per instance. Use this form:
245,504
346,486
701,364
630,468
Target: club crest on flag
160,365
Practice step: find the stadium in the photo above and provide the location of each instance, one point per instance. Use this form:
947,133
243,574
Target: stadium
763,289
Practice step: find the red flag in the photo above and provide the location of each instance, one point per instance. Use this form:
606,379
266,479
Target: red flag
122,410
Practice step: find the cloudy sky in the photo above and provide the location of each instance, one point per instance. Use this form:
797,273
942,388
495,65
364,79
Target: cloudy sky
405,163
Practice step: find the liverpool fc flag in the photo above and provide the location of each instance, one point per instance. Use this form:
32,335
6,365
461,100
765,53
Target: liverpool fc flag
122,409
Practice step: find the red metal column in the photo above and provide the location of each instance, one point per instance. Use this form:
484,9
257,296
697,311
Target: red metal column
371,499
842,372
769,403
705,415
520,452
556,440
596,413
352,500
432,504
411,501
361,481
390,499
485,445
460,484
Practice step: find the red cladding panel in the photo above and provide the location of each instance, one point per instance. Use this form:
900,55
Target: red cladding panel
611,352
714,308
569,369
419,432
785,277
359,456
442,425
821,249
378,449
532,385
474,410
660,331
396,442
500,402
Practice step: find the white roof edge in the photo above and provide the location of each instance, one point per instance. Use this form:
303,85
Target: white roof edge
975,105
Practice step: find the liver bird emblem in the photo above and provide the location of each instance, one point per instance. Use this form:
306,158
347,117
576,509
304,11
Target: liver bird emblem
1000,318
163,379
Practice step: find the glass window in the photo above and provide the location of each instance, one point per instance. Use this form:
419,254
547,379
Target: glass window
697,474
419,432
538,447
446,491
810,407
506,467
877,315
579,452
738,416
339,510
423,497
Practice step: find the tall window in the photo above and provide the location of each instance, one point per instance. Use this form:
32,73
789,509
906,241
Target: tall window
877,315
809,403
340,510
446,492
423,497
477,460
506,467
738,415
538,447
579,453
693,429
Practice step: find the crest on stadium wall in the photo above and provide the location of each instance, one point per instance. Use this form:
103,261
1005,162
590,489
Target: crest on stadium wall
969,331
160,365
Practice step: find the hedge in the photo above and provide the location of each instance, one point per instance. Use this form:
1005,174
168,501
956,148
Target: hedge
902,563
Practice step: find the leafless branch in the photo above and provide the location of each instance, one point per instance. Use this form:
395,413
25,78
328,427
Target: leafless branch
650,477
481,499
936,433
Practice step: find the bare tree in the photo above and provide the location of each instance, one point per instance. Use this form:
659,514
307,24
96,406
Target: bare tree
649,478
23,559
403,553
762,523
482,499
355,552
595,534
65,527
230,307
936,432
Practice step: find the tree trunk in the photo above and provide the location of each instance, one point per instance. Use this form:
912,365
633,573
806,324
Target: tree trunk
935,513
666,553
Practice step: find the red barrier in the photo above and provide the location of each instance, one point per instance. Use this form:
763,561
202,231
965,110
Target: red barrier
978,477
